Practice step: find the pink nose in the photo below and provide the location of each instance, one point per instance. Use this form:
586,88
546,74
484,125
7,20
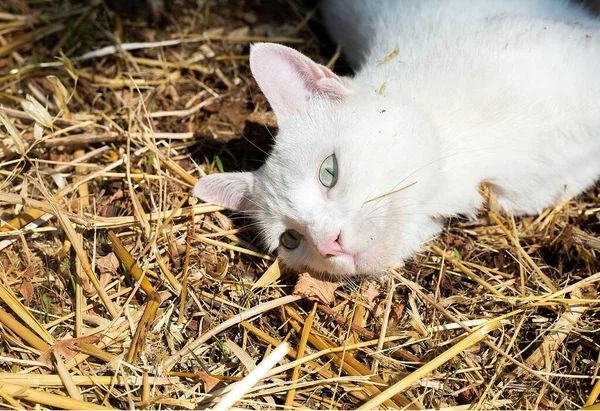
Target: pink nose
332,246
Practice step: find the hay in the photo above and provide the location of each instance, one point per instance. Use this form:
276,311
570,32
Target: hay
118,291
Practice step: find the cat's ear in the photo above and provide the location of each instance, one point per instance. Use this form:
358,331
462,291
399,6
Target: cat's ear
289,79
229,190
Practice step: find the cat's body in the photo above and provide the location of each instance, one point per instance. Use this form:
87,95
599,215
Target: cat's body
505,92
512,84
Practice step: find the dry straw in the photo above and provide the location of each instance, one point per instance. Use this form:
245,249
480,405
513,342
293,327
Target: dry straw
117,290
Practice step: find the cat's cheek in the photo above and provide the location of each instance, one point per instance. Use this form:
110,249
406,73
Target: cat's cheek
294,260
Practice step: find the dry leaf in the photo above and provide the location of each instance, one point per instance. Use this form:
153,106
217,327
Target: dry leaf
37,112
315,289
396,315
107,267
12,132
371,294
38,131
380,308
26,291
209,381
68,348
26,288
59,89
108,264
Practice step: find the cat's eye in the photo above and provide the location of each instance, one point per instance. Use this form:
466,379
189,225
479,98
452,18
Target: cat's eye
290,239
328,171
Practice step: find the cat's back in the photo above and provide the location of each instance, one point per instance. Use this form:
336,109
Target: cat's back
366,29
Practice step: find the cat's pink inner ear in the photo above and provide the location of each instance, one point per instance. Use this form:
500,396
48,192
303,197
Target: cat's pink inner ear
289,79
229,190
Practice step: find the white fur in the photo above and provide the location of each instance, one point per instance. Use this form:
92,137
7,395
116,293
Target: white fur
499,91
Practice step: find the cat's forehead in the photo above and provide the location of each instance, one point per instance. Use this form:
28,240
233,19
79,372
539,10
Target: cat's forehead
314,124
323,128
304,138
290,173
321,124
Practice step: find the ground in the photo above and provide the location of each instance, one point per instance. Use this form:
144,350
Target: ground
117,290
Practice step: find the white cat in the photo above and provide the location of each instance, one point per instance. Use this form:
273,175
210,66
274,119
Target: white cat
447,94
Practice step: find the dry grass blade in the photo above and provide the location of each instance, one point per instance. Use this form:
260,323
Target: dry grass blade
40,206
92,350
352,366
12,132
22,220
586,239
23,332
247,383
306,330
66,377
594,393
51,400
28,220
308,359
37,112
582,284
23,313
233,248
11,401
184,283
470,274
111,336
245,39
29,37
292,353
118,222
553,339
417,290
390,193
143,325
269,277
67,226
152,302
523,253
171,361
385,323
422,372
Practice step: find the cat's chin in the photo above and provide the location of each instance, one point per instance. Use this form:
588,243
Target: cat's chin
343,267
340,266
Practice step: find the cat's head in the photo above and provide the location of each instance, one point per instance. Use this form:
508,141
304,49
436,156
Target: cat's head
326,196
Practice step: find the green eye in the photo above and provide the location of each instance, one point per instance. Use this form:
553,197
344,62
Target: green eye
290,239
328,171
